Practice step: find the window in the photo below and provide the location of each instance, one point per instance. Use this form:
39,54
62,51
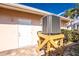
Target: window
24,21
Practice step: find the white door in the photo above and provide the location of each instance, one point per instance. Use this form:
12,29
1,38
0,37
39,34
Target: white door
24,28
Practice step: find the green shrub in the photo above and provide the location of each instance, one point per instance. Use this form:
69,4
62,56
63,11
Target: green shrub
75,36
70,35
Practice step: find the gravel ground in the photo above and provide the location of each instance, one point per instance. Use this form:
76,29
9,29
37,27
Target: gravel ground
26,51
71,49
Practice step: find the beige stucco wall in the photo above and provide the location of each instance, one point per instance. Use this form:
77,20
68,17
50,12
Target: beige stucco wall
8,33
64,24
8,27
21,15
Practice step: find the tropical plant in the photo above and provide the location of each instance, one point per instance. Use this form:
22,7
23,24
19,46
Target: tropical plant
72,13
70,35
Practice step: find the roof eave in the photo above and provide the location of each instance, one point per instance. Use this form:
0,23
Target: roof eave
23,8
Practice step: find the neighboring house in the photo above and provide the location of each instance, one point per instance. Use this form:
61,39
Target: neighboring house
19,25
74,24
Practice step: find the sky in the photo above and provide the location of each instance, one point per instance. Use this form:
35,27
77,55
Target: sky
55,8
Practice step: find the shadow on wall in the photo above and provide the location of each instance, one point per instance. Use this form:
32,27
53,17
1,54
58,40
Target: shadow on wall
12,20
